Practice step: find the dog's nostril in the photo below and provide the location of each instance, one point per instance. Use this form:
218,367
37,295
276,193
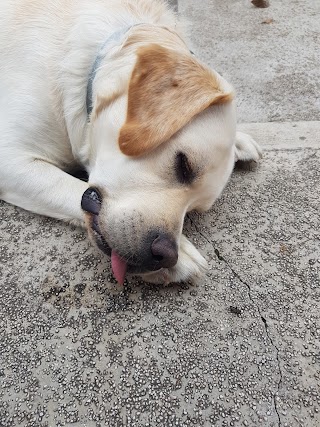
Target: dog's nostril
158,258
164,251
91,201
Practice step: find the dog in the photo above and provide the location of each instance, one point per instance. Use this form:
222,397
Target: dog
111,86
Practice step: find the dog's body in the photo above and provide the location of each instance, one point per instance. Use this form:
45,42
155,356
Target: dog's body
158,141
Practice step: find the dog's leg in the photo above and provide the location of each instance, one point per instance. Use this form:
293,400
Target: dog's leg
190,266
247,148
43,188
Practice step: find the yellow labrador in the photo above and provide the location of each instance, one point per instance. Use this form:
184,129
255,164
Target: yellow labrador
112,86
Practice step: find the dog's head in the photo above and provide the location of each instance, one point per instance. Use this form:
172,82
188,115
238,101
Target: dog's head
159,149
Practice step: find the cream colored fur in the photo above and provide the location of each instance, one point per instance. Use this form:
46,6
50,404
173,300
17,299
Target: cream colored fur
47,48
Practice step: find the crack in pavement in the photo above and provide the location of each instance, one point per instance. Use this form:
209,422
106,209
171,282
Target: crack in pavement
266,327
265,323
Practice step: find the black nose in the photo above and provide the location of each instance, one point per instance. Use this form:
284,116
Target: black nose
164,251
91,201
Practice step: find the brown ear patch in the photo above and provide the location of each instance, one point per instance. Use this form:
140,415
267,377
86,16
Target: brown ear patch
167,89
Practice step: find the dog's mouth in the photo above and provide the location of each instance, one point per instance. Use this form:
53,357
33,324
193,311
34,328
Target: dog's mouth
99,238
120,266
91,204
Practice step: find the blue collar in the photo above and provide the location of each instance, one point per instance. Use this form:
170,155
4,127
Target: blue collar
111,41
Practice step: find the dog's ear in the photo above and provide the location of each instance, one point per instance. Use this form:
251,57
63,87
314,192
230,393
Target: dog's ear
167,89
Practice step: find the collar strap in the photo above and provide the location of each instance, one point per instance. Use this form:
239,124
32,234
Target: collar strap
111,41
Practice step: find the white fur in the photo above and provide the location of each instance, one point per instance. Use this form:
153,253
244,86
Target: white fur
47,48
247,148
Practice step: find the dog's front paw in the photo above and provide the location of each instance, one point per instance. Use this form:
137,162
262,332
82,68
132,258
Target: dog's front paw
247,148
190,266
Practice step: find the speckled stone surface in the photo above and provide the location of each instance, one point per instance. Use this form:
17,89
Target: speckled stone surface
240,348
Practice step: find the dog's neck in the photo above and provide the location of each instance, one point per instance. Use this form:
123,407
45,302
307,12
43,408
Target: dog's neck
111,41
116,38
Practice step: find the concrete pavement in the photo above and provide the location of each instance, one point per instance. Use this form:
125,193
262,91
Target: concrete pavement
270,55
241,347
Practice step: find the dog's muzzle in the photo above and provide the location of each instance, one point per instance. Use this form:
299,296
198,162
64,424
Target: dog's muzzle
158,250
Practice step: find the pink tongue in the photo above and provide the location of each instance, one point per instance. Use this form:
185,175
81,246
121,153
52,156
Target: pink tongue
119,267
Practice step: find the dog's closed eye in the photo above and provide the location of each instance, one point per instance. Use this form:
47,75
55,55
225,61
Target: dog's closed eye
184,171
